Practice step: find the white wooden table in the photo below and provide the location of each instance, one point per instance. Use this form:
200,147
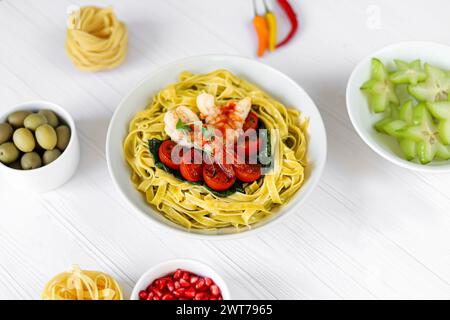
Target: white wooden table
370,229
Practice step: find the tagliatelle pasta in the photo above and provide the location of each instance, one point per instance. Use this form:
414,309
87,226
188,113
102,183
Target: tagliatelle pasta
80,284
96,39
195,206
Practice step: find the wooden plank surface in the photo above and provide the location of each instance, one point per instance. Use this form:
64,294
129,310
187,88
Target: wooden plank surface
370,230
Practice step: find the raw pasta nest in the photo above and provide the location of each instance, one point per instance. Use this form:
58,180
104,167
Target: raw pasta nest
80,284
96,40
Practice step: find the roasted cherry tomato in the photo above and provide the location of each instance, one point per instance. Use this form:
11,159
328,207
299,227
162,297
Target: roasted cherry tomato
251,122
219,177
247,172
191,166
165,155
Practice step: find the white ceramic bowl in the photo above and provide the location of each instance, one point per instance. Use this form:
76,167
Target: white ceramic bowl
170,266
363,119
274,82
55,174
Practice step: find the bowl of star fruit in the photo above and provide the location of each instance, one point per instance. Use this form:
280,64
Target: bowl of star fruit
399,103
39,148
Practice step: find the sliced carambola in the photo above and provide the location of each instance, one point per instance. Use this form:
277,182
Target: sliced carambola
392,127
397,119
379,89
410,73
391,115
379,125
434,88
422,123
406,112
441,111
408,148
425,133
427,151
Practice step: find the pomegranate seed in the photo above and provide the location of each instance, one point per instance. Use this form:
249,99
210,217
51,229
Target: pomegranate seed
179,292
186,276
170,286
184,283
212,298
161,284
143,295
168,296
215,291
177,274
176,284
201,296
156,298
190,293
193,279
150,296
200,285
157,292
184,299
208,282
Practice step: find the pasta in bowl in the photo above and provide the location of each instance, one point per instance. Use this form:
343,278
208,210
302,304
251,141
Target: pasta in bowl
189,110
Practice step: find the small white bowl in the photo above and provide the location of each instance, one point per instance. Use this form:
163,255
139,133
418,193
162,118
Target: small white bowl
167,267
274,82
54,174
363,119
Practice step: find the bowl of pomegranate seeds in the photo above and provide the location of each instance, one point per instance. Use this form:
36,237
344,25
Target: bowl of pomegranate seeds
180,279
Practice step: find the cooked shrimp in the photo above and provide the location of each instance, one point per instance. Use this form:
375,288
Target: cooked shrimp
205,103
228,117
243,108
185,128
186,117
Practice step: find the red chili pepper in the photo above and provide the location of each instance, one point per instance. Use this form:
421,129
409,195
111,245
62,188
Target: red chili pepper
287,8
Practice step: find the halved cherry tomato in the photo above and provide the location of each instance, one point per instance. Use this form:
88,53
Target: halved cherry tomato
165,154
247,172
219,177
191,166
251,122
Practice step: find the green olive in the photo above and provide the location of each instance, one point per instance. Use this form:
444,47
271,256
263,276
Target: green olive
30,160
6,132
63,134
8,152
16,118
46,137
24,140
34,120
52,118
50,156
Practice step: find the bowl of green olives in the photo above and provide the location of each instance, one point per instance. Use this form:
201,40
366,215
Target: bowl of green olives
39,148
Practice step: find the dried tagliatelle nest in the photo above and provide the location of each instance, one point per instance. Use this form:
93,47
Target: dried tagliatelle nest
96,39
78,284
